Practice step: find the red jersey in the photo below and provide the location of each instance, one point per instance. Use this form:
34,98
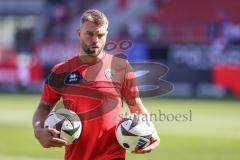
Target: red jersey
95,92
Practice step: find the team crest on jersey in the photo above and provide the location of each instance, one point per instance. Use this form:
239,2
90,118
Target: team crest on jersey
109,73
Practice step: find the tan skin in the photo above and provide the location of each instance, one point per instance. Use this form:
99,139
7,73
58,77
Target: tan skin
47,137
92,39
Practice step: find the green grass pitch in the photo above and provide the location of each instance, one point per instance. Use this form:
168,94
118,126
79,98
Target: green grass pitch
213,133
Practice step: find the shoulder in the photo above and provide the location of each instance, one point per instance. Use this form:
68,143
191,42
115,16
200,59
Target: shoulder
65,65
117,60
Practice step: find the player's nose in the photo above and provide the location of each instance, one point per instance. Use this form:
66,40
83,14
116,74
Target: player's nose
95,39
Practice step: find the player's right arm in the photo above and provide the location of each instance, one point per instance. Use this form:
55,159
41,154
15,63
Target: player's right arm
47,137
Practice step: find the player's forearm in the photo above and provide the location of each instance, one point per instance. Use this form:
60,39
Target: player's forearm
136,106
40,115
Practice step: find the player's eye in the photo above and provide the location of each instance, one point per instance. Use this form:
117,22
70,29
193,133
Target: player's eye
100,36
90,34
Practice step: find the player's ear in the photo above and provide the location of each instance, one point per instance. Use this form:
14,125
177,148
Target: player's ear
78,33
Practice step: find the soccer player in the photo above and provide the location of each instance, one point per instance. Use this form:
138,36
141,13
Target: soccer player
93,84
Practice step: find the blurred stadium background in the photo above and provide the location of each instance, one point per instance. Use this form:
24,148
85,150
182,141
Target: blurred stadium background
199,41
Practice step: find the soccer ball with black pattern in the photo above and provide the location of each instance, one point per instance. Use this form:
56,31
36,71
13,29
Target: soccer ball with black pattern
65,121
134,132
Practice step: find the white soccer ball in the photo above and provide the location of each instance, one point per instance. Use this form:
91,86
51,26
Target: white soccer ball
134,132
65,121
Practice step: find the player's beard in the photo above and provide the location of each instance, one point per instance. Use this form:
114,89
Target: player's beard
87,49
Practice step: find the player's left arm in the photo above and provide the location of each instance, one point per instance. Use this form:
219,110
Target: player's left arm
136,106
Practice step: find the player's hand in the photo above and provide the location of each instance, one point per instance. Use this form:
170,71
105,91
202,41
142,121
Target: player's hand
155,141
49,137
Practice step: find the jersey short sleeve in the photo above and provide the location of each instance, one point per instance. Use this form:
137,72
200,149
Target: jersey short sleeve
129,87
49,95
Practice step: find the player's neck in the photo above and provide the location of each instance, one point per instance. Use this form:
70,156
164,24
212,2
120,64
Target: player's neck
84,57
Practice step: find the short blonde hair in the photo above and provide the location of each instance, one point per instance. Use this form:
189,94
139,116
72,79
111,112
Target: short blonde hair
95,16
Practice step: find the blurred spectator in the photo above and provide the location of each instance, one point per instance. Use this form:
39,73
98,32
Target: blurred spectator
223,32
7,57
232,33
58,22
135,29
36,71
23,40
216,27
23,65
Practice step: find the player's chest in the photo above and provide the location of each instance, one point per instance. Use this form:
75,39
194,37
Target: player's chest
101,78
